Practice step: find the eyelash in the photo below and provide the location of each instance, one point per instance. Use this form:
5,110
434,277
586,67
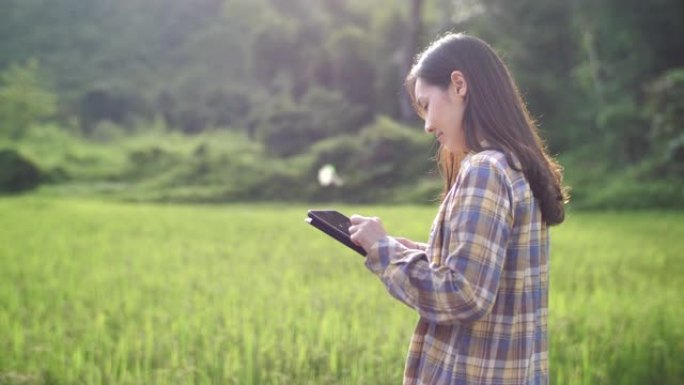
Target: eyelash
425,109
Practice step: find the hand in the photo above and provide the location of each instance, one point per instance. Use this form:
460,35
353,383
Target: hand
366,231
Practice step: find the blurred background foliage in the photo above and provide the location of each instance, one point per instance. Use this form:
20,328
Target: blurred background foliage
228,100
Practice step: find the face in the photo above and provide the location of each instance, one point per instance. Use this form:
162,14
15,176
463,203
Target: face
442,111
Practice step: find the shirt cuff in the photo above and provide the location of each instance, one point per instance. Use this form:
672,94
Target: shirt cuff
382,253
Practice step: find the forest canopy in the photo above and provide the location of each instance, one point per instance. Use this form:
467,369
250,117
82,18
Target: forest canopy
143,94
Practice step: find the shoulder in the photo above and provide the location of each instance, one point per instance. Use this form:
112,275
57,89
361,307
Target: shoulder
494,166
484,170
483,184
494,161
488,172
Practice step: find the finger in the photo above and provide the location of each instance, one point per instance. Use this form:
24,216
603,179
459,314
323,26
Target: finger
356,219
355,239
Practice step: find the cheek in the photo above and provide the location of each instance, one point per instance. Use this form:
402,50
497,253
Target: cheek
457,116
456,128
452,118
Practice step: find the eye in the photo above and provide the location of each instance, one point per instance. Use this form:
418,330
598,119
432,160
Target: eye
423,107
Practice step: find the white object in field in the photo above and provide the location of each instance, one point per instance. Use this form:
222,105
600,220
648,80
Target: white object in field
328,176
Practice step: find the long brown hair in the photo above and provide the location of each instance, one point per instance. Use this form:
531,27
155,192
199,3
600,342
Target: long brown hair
495,117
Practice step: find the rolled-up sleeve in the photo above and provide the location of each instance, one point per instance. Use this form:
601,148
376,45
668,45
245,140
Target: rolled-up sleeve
463,288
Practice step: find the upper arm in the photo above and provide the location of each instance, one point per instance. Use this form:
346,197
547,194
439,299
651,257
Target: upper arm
479,227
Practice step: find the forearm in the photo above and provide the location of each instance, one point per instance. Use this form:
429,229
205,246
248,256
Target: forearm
463,286
439,294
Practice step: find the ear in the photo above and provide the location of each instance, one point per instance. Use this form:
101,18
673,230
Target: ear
459,84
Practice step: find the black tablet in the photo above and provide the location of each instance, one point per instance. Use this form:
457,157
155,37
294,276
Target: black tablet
335,224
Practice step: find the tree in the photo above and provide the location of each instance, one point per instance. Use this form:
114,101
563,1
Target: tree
352,70
23,99
409,52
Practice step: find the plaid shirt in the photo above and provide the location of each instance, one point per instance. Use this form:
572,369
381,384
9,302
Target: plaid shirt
480,285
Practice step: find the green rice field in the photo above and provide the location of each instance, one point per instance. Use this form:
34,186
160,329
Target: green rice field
96,292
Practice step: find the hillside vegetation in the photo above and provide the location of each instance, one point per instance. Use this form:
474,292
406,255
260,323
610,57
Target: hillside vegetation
215,100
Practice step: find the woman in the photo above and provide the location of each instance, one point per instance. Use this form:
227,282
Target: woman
480,285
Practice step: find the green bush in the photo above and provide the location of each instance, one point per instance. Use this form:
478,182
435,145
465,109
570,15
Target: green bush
119,106
150,161
17,173
287,128
626,129
373,164
394,154
288,131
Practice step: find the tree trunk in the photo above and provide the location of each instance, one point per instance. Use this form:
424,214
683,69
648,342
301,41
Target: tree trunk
409,51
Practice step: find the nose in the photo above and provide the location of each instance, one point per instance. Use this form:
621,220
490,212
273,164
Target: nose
429,128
